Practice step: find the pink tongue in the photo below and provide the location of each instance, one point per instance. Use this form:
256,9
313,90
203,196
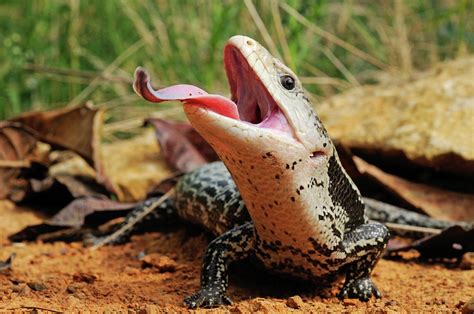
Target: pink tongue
188,94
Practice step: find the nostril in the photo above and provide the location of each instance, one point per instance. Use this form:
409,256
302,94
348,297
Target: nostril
317,155
249,42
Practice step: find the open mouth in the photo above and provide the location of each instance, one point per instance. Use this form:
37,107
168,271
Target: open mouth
254,103
250,103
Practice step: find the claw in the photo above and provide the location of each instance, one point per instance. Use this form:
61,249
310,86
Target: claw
362,289
207,298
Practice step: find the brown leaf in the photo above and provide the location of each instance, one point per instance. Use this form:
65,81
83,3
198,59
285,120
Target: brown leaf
18,149
135,165
434,201
76,185
182,147
451,242
77,129
74,216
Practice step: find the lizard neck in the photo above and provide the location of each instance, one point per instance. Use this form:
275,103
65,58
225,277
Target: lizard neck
292,199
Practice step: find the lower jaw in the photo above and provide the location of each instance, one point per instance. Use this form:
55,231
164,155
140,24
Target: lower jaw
275,123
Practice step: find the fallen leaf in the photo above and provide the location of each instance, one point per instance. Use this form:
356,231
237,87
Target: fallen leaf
434,201
135,166
182,146
18,151
84,277
74,216
77,129
451,242
76,185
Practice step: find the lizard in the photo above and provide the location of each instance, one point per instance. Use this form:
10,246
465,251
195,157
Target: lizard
280,194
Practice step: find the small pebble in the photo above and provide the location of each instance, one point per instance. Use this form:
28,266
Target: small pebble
37,286
84,277
468,308
160,262
295,302
71,288
467,261
21,289
351,301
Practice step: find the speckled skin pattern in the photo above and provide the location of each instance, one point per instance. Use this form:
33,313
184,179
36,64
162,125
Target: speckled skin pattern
304,216
216,204
307,215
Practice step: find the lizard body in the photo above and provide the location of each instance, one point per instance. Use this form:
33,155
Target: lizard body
282,196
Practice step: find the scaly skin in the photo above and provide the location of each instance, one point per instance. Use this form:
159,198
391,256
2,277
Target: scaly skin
306,215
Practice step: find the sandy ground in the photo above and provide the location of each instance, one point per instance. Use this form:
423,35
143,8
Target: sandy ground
60,277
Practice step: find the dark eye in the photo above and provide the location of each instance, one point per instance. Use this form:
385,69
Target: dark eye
287,82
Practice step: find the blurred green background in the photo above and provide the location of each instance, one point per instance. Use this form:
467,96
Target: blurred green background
58,53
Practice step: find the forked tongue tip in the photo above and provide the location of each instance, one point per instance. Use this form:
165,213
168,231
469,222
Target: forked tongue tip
142,86
182,92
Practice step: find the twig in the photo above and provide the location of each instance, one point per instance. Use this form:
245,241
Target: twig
412,228
340,66
33,307
14,164
103,241
281,33
261,27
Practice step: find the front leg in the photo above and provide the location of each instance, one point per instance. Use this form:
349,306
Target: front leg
231,246
362,248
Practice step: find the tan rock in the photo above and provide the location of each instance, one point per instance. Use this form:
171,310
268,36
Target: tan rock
429,118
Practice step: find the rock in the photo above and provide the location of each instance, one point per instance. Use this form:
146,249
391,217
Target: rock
428,118
350,301
37,286
84,277
22,289
131,271
468,308
467,261
295,302
160,262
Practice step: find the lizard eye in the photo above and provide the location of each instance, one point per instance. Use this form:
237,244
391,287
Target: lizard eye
287,82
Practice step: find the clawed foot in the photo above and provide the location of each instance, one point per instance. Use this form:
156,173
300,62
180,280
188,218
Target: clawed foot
362,289
207,297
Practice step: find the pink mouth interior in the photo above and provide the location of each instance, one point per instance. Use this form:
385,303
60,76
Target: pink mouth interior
251,102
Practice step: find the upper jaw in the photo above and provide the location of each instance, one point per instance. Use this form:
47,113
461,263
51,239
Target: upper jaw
249,85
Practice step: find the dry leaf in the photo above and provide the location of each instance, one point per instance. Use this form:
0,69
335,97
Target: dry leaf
77,129
182,147
75,216
134,166
435,202
76,185
451,242
18,149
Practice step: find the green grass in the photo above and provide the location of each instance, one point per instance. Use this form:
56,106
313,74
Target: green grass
57,53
